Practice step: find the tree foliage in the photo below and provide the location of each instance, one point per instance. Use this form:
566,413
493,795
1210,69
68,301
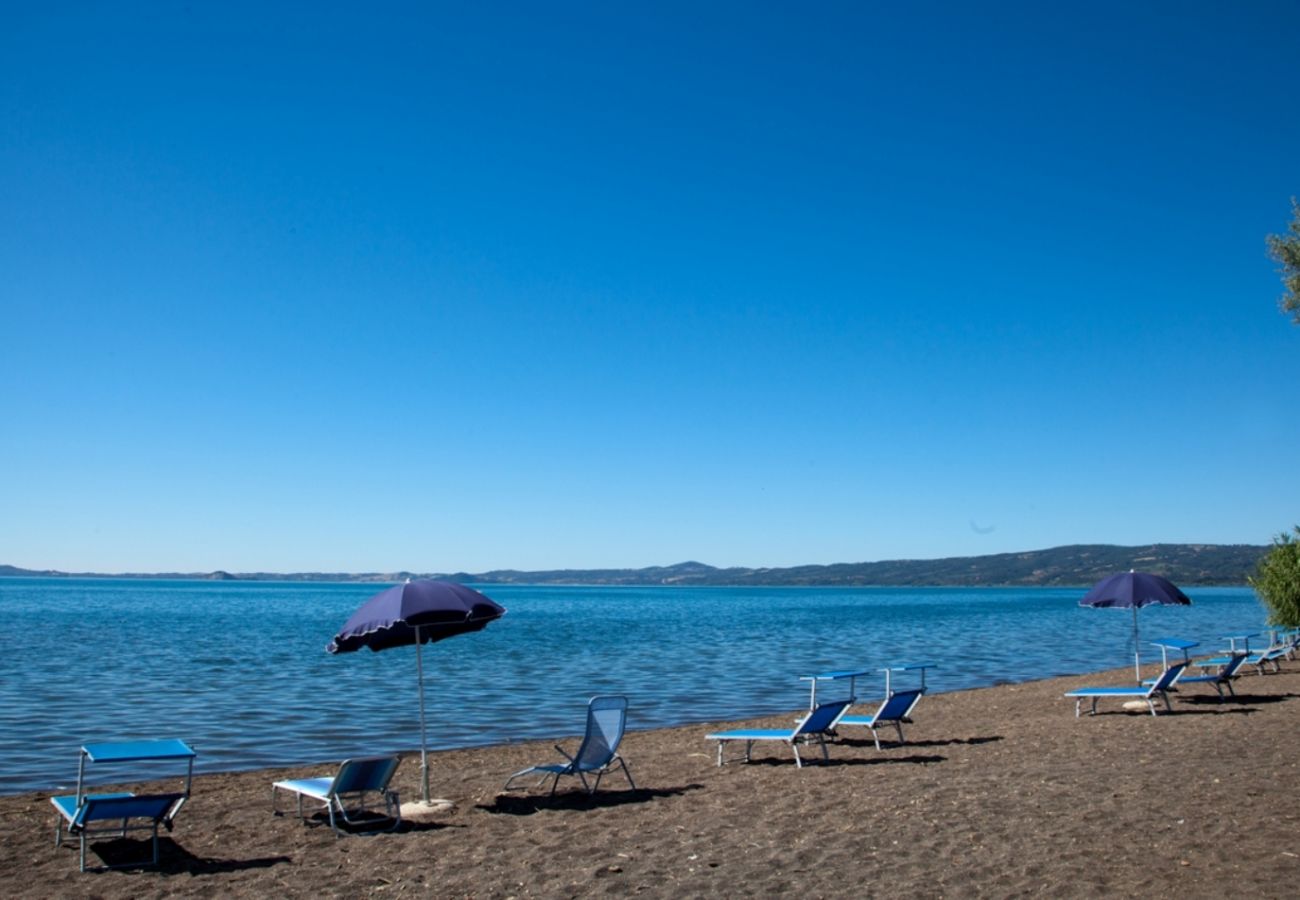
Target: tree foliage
1285,250
1277,580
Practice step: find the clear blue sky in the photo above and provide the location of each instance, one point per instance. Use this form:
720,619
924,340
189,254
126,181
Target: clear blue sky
459,286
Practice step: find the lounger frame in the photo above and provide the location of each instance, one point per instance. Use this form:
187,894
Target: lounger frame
1160,687
357,779
895,710
812,728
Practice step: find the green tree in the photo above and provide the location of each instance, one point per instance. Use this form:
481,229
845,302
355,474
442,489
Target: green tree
1277,580
1285,250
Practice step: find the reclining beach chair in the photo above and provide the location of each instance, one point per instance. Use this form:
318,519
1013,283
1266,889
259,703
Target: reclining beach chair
598,752
819,722
1260,659
356,779
894,711
1160,687
1218,680
147,810
93,815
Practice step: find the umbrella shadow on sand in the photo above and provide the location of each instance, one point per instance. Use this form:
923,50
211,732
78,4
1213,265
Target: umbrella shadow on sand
525,805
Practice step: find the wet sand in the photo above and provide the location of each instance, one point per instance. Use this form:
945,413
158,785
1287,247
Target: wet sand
998,792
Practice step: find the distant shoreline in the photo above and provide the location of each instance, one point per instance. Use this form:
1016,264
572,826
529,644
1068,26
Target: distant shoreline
1204,565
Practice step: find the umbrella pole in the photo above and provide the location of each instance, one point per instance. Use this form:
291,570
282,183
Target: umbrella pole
424,753
1137,654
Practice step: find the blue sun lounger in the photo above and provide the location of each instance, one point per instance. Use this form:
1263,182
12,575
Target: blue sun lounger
356,779
813,727
1217,680
894,711
1260,659
1160,687
86,815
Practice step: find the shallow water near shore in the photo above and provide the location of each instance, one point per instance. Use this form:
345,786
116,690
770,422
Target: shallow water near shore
239,669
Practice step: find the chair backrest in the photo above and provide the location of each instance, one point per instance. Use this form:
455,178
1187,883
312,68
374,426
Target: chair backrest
370,773
606,722
1236,662
821,717
1167,679
898,705
142,806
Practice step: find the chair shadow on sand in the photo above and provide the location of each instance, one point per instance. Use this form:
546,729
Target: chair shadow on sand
526,805
834,761
1240,699
910,742
173,859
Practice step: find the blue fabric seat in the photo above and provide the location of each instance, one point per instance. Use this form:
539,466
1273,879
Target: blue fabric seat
896,710
356,780
813,727
1158,688
598,752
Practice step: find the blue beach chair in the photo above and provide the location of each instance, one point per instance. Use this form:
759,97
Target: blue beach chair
147,811
598,752
894,711
1217,680
88,815
1260,659
819,722
1160,687
356,779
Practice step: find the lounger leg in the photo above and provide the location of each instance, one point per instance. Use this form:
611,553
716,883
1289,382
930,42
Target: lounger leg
628,772
875,735
720,743
826,753
798,763
899,726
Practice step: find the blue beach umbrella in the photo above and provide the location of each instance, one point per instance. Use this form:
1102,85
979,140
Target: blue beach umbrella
417,612
1134,590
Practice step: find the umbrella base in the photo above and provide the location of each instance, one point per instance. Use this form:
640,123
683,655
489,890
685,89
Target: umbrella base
419,811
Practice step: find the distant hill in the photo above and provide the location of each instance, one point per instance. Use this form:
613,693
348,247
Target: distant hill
1078,564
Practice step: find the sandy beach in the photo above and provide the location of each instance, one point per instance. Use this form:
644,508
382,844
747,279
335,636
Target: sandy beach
998,792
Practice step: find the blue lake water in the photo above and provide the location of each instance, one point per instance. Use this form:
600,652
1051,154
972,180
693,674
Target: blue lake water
239,669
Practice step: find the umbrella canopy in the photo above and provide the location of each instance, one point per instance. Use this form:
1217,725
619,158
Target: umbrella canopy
1134,590
417,612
